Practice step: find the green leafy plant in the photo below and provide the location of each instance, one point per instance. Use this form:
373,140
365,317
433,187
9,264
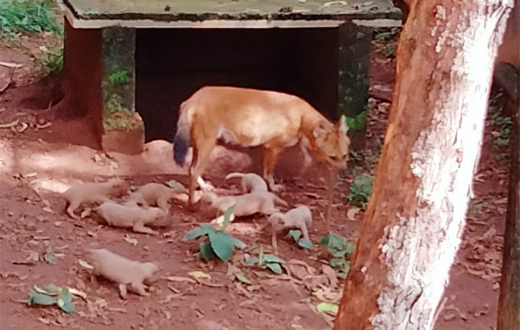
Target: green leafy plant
502,132
217,243
385,41
302,242
355,156
475,208
52,295
266,261
51,63
340,249
119,77
388,50
505,129
31,16
358,122
49,256
384,34
360,191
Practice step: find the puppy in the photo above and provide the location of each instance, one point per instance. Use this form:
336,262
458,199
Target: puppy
89,193
251,182
297,218
245,205
130,215
152,194
122,271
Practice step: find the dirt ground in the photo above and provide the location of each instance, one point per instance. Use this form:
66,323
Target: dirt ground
40,161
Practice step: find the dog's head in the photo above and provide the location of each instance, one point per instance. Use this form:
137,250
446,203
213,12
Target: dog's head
331,143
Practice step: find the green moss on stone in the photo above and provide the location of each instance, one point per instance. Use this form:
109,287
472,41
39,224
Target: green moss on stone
122,121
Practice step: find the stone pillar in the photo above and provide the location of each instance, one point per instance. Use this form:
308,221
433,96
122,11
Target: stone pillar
354,48
123,127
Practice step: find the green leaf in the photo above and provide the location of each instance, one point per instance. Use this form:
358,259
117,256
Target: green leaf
251,260
227,217
272,258
50,258
175,185
325,240
274,267
52,289
327,308
243,279
65,296
340,254
236,242
295,234
205,251
195,233
41,299
221,245
335,262
208,227
261,260
68,307
305,243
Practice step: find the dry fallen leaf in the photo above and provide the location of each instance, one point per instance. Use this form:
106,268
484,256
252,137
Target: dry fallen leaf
32,259
180,279
130,240
86,212
331,274
85,264
200,274
351,214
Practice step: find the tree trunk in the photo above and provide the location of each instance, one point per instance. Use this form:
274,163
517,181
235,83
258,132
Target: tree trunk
415,217
509,301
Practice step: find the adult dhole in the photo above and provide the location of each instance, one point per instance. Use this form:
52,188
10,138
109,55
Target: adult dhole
249,118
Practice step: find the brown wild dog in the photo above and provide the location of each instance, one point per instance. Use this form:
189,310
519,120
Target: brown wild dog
249,118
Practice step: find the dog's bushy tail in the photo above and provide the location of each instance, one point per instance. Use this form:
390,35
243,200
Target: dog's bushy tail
181,141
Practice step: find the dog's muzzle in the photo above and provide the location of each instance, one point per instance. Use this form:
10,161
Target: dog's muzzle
342,171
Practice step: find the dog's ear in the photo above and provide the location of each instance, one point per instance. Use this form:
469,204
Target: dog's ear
321,129
341,125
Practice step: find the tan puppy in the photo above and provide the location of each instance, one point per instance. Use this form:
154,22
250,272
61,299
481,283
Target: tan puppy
251,182
247,204
152,194
130,215
89,193
297,218
123,271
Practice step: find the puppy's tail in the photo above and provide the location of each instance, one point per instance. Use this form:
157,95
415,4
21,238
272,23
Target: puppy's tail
234,175
181,141
279,200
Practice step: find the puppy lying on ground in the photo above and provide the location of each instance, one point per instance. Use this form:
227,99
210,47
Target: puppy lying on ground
247,204
251,182
89,193
152,194
123,271
131,215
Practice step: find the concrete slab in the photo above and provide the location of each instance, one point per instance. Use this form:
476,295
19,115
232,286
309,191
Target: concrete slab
224,13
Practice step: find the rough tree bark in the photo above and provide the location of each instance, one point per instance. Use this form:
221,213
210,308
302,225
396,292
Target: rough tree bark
412,227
